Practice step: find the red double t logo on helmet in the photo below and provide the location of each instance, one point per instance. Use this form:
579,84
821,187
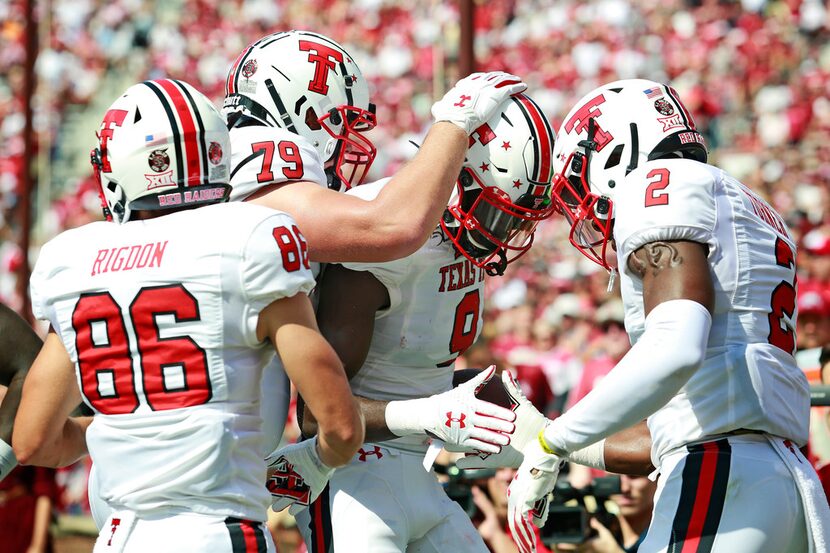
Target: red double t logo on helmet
323,59
115,117
459,420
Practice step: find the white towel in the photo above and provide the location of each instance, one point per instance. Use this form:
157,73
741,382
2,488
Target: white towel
816,510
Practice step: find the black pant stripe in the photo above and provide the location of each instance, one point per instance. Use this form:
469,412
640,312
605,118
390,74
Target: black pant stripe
718,498
234,526
688,491
321,541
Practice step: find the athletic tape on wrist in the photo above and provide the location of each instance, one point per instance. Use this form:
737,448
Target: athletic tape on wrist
7,459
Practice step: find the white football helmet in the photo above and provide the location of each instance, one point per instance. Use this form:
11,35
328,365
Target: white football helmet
503,190
162,145
609,133
308,84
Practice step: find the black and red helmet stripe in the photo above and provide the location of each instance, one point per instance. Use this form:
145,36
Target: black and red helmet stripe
233,74
684,113
537,121
184,119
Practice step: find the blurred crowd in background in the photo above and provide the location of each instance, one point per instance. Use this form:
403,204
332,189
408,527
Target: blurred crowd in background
755,74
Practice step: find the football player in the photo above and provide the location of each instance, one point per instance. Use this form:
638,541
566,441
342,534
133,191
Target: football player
708,282
399,326
161,322
297,107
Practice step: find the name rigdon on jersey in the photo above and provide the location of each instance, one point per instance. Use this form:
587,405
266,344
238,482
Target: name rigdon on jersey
159,318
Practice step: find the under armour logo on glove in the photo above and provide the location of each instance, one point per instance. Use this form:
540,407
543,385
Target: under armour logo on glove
363,453
288,483
459,420
476,98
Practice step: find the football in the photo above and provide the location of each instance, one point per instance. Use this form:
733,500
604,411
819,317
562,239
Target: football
493,391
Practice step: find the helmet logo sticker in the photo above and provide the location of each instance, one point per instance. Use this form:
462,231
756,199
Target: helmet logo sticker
156,181
158,160
215,153
249,68
671,122
324,59
663,106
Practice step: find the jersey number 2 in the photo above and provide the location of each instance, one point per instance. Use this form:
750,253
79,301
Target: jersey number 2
173,369
289,152
654,193
782,301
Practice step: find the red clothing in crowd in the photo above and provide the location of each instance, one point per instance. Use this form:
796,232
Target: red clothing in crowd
19,493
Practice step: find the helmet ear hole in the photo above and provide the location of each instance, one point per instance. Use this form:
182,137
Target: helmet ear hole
312,120
615,157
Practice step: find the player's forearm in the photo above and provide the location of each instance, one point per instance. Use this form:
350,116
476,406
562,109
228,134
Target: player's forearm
411,205
374,413
667,355
8,408
629,451
67,446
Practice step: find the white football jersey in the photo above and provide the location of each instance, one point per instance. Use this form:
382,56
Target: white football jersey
749,379
434,314
262,156
159,317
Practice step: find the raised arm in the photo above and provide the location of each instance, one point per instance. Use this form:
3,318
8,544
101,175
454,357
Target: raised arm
399,220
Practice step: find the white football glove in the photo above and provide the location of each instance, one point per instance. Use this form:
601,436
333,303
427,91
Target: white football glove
296,476
457,417
474,99
527,496
529,422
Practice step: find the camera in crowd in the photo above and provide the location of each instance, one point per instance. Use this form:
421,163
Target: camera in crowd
569,512
460,482
819,396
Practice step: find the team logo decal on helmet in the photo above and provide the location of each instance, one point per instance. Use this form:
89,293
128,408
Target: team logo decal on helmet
215,153
663,106
249,69
158,160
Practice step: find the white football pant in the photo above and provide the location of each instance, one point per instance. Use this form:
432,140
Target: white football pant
384,501
732,495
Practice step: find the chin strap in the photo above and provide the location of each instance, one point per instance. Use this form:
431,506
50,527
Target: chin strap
497,268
